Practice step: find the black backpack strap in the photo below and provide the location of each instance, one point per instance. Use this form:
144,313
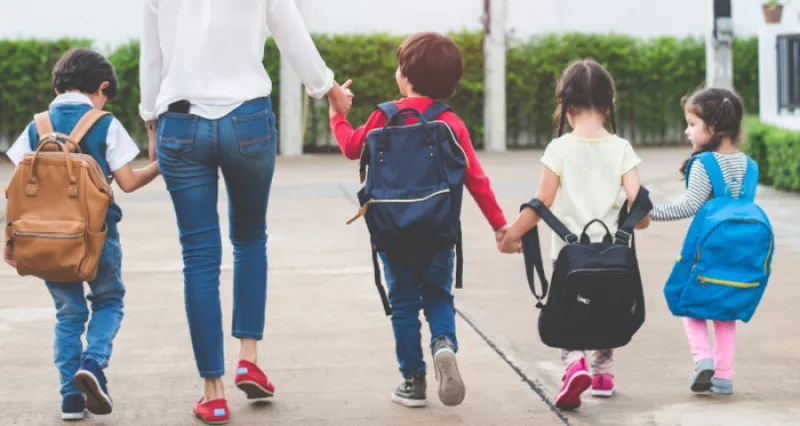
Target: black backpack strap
459,260
434,110
532,249
387,308
559,228
532,254
628,220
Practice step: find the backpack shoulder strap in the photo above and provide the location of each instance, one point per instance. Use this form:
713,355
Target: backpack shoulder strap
750,184
532,255
44,126
85,124
629,219
532,250
714,173
559,228
434,110
389,109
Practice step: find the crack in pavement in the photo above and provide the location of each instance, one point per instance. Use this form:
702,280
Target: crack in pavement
535,387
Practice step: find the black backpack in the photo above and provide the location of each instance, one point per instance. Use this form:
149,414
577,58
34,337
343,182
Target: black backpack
596,299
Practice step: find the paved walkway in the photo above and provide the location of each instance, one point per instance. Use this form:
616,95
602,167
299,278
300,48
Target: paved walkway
329,348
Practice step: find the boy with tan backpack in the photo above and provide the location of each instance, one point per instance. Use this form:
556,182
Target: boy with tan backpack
61,220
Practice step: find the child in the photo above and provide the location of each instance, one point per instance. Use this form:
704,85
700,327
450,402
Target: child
714,122
592,171
429,68
83,80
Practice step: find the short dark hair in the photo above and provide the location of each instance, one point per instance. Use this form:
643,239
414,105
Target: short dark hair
721,110
84,70
585,84
432,64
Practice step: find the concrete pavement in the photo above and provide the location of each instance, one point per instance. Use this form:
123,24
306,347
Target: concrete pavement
329,349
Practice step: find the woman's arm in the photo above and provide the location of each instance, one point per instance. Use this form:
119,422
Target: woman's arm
293,40
150,59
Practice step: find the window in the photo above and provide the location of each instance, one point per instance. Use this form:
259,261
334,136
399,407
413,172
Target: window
789,73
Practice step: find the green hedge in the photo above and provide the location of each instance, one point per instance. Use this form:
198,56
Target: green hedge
651,74
777,152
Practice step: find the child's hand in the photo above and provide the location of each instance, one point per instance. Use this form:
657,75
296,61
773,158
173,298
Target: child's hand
340,99
499,235
8,255
510,244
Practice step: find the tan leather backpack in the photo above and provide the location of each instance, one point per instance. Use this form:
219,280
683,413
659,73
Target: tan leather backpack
57,202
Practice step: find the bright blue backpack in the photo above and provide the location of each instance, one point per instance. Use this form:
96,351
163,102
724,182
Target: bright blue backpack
414,186
726,258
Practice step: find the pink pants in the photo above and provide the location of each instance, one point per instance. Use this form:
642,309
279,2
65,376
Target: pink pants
725,344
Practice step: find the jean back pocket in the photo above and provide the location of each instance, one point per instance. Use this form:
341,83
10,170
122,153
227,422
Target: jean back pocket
254,133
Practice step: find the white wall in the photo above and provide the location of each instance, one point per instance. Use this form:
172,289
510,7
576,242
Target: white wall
111,22
768,74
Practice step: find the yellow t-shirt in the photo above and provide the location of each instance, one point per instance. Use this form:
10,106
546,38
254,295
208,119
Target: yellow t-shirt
591,182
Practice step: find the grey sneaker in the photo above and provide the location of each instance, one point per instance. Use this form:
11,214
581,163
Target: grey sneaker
722,386
704,371
411,392
451,387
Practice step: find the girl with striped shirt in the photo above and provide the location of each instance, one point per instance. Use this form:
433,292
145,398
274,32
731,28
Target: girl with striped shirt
714,121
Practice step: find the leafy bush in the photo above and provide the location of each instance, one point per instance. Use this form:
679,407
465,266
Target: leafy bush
777,152
652,76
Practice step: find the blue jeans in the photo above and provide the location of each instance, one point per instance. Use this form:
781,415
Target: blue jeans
420,282
190,151
106,294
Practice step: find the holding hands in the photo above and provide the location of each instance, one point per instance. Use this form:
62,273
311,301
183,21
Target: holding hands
340,98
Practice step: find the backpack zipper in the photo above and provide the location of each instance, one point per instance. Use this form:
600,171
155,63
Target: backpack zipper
704,280
766,260
48,236
363,210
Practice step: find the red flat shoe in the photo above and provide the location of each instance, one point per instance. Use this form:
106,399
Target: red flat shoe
253,381
213,412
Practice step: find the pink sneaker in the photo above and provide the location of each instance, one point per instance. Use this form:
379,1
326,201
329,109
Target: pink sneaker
602,385
576,380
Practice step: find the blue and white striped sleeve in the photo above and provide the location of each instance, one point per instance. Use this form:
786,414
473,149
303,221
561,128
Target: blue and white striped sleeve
688,204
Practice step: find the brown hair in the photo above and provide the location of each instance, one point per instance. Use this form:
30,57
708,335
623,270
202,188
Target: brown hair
432,64
721,110
585,84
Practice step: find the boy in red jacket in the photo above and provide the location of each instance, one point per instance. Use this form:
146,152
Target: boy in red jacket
429,68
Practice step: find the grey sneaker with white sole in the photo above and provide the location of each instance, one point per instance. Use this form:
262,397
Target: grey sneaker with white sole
411,392
451,386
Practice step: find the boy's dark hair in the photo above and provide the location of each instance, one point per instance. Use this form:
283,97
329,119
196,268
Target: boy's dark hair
432,64
84,70
722,112
585,84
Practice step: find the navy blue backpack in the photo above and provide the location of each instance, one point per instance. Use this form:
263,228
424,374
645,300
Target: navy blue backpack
414,186
725,262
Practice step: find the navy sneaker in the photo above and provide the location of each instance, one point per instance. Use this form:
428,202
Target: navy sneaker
91,381
73,407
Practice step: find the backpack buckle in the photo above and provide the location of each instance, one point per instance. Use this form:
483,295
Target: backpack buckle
571,238
623,236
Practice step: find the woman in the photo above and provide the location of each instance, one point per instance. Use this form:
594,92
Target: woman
205,99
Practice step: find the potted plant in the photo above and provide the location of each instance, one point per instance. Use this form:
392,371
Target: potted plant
773,11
